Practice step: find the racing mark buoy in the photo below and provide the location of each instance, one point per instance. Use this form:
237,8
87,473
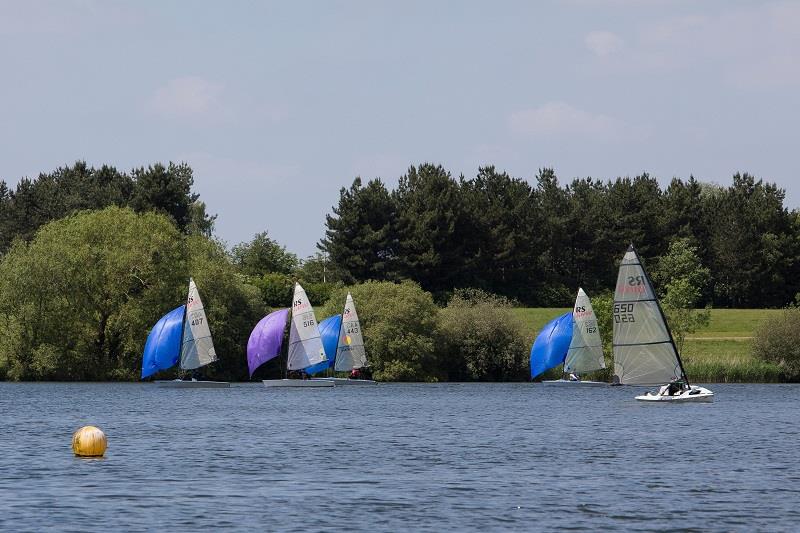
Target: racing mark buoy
89,441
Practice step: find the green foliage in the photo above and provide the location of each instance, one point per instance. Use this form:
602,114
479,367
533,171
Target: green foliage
79,299
433,229
232,305
67,190
319,269
603,306
682,316
361,236
681,262
398,321
263,255
276,289
682,277
777,341
479,338
536,244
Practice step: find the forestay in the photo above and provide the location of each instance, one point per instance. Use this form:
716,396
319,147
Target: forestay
198,349
585,352
644,353
305,345
350,353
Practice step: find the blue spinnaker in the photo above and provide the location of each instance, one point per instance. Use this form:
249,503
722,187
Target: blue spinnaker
163,347
551,345
329,332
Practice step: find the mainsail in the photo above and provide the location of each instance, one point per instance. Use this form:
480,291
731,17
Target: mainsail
350,353
551,345
305,345
644,352
585,352
163,344
198,349
266,339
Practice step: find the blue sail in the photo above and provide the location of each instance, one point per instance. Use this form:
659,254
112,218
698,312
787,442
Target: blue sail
163,347
329,331
551,345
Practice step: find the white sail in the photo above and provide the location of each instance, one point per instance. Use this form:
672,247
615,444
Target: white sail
644,353
197,349
350,353
305,345
585,352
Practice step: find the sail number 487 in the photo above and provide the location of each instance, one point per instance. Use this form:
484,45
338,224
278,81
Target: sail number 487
623,313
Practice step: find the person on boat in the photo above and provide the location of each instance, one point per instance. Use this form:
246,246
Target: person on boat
573,377
195,375
675,387
355,373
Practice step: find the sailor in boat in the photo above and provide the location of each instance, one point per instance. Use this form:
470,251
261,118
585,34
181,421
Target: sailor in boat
675,387
573,377
361,373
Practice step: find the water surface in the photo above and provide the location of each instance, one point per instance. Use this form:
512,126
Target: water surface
399,456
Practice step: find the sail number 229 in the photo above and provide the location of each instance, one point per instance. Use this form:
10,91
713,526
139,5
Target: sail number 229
623,313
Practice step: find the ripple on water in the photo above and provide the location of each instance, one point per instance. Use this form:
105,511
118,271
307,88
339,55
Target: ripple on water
393,457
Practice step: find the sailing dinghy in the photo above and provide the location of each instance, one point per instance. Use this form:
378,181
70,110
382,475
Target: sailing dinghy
585,351
644,350
572,339
350,353
305,346
181,335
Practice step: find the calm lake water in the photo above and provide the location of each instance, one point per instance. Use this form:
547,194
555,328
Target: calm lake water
399,456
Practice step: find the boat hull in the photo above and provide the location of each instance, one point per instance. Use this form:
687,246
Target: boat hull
566,382
695,394
187,384
296,383
347,381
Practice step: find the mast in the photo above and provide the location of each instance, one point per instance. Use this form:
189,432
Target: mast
663,316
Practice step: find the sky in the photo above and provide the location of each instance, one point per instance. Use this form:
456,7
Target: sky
277,105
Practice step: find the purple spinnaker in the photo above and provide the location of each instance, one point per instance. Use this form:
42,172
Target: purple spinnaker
266,339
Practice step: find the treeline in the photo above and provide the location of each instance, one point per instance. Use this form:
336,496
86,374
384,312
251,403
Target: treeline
537,242
51,196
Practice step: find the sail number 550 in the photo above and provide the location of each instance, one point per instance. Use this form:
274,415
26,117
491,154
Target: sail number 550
623,313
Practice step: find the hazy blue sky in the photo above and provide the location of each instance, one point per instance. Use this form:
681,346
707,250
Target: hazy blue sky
278,105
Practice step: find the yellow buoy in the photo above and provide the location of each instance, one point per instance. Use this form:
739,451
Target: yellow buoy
89,441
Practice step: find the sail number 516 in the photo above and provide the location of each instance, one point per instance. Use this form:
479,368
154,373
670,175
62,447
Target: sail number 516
623,313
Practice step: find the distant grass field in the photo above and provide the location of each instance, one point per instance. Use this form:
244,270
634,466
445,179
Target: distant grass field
718,353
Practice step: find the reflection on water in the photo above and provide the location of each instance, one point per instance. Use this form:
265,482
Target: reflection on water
395,456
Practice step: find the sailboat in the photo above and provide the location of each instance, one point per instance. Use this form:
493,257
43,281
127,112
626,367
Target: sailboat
644,350
572,339
305,346
350,353
181,335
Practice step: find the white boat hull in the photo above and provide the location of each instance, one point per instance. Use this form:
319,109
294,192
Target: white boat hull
191,384
571,383
286,383
694,394
347,381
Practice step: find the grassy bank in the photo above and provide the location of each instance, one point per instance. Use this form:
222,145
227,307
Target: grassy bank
719,353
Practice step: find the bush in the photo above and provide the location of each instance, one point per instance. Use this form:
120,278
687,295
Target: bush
77,301
481,339
398,321
276,289
777,341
